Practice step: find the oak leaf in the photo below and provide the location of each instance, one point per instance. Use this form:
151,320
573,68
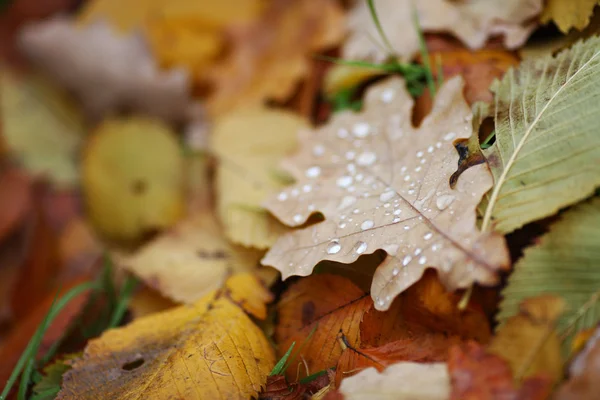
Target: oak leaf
128,79
250,144
402,381
537,108
381,183
133,178
568,14
473,22
209,350
189,260
270,56
564,262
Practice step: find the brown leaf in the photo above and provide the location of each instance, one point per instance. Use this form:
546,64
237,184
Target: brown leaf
326,304
473,22
270,56
128,78
583,383
478,375
383,184
15,188
277,388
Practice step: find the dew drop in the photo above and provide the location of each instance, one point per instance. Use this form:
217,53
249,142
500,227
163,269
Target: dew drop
419,168
423,161
342,225
282,196
419,154
359,177
387,95
342,133
430,149
386,205
367,224
411,191
386,196
313,172
360,247
406,260
396,220
403,169
351,168
306,188
418,251
449,136
350,155
406,227
297,218
347,201
318,150
407,178
380,302
361,129
366,158
397,212
422,260
334,247
395,271
444,201
295,192
344,181
355,211
428,236
436,247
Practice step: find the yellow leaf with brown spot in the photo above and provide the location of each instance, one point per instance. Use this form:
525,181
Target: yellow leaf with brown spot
250,144
529,341
189,260
133,178
209,350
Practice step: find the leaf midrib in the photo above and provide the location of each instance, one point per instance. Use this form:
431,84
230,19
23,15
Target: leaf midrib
507,167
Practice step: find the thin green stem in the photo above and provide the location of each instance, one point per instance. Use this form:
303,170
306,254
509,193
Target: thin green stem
380,30
123,301
424,52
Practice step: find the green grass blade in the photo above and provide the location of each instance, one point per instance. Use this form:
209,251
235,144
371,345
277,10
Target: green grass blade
123,301
312,377
424,53
380,30
279,367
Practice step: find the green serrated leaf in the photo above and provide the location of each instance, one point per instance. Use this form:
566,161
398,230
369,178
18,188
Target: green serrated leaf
566,262
547,150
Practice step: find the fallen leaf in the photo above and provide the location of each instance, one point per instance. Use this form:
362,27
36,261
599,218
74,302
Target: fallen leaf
208,350
568,14
15,203
147,301
478,375
582,383
133,178
249,144
380,183
128,79
563,262
50,383
41,127
538,108
529,342
189,260
323,305
269,57
402,381
278,388
473,22
341,77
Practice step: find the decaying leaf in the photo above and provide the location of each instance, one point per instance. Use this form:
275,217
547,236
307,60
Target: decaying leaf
189,260
269,57
40,127
133,178
564,262
323,305
402,381
473,22
529,341
568,14
539,108
250,144
209,350
15,201
383,184
127,79
478,375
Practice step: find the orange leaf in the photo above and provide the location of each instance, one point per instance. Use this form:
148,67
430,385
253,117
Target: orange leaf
328,304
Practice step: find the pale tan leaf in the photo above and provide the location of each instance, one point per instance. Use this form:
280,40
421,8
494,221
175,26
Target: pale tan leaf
189,260
402,381
473,22
383,184
250,144
106,71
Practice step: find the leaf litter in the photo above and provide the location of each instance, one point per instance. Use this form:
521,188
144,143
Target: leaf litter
187,140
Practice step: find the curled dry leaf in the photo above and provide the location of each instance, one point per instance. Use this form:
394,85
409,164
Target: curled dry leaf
250,144
208,350
189,260
270,56
529,340
402,381
41,127
383,184
478,375
473,22
325,305
128,79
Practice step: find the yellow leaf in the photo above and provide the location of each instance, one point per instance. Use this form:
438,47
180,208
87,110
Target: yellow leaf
250,144
341,77
568,14
40,127
209,350
189,260
147,301
133,178
529,342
